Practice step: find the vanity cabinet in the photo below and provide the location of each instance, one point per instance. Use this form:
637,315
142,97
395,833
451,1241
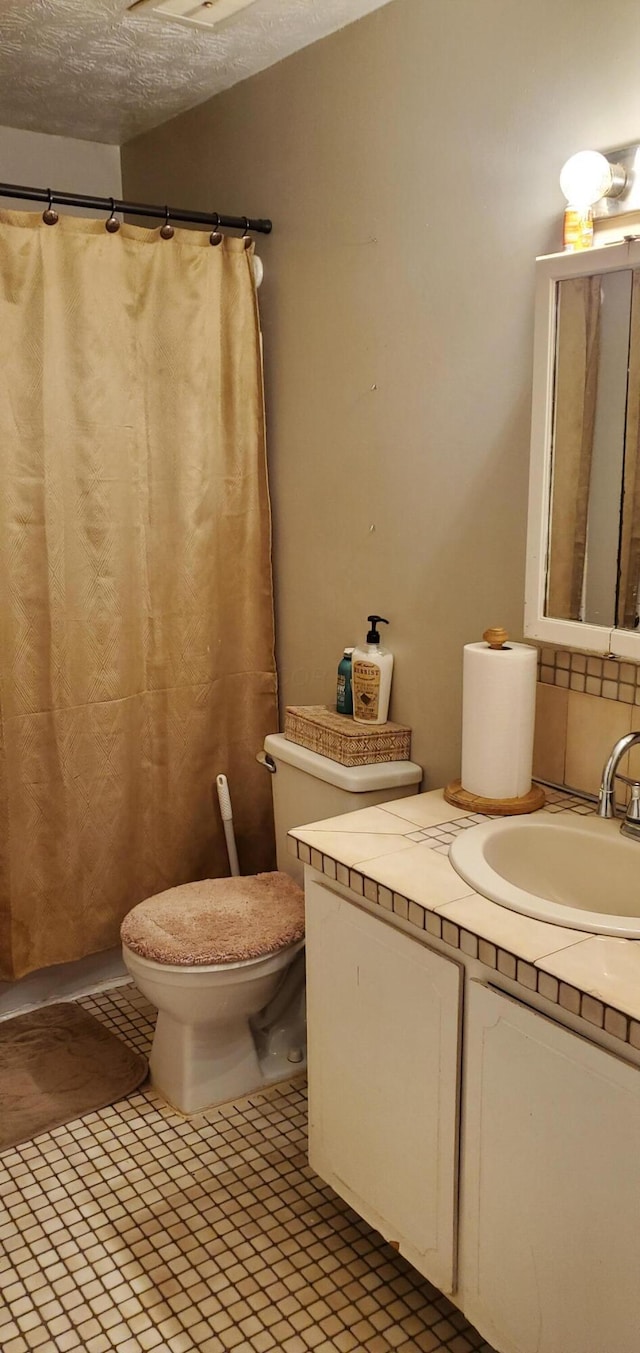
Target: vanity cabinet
384,1057
550,1188
542,1250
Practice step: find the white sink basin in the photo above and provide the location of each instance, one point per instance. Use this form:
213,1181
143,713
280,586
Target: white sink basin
573,871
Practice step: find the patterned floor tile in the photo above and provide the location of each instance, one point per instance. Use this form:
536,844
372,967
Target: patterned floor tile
137,1229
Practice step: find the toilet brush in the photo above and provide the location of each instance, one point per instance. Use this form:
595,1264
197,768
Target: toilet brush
224,799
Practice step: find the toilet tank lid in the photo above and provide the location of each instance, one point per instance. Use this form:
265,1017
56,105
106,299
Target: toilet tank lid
355,779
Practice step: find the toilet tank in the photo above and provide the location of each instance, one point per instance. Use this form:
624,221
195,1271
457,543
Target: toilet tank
308,787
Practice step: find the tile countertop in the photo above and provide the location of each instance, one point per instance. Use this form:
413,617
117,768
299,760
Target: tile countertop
395,856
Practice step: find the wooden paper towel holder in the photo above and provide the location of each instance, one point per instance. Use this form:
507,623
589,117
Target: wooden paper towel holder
475,803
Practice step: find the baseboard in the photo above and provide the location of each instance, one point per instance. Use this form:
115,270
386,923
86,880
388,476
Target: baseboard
64,982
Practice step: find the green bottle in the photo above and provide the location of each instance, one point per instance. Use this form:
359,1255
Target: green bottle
344,699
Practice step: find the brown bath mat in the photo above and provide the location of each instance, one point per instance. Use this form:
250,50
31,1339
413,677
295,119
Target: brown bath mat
58,1063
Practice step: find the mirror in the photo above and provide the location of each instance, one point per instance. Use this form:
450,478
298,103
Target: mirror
583,566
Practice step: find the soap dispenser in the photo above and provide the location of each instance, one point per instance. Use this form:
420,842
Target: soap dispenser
372,667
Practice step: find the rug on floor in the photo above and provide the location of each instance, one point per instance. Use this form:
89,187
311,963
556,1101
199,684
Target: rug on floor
56,1064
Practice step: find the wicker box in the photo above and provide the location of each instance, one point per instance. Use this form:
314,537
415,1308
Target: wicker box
340,738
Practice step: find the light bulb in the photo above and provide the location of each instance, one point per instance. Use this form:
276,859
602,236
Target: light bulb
585,178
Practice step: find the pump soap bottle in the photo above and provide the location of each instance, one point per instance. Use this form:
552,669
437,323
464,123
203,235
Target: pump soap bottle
344,696
372,668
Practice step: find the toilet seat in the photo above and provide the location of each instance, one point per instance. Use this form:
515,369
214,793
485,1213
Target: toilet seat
201,973
217,922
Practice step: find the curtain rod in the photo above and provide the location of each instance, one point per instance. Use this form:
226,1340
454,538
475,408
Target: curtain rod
206,218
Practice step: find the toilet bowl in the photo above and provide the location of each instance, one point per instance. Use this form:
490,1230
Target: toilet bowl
229,984
203,1049
210,955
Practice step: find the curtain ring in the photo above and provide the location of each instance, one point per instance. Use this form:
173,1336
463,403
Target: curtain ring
216,234
49,216
167,231
112,224
245,234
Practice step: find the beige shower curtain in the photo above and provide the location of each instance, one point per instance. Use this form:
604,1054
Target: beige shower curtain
136,617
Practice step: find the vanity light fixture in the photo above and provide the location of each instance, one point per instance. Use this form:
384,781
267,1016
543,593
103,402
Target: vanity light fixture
588,176
597,185
585,179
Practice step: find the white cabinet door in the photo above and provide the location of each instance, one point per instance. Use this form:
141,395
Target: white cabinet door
550,1189
383,1032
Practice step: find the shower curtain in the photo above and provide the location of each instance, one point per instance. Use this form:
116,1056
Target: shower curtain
136,613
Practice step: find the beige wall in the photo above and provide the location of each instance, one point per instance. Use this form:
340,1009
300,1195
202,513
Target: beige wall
410,165
38,161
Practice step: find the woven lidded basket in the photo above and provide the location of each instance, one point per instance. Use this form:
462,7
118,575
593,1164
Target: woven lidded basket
341,739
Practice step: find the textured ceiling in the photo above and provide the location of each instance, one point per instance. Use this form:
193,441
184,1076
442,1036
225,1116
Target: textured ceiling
89,69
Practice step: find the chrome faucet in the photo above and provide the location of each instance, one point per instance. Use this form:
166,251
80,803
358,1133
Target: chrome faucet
607,794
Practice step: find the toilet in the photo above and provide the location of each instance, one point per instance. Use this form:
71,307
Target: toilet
222,959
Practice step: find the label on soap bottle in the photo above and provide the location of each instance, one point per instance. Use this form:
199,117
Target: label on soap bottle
366,689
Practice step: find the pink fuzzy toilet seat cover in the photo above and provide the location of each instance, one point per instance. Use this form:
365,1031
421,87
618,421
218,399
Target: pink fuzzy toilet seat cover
226,920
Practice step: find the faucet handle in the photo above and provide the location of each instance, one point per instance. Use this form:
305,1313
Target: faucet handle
631,824
633,809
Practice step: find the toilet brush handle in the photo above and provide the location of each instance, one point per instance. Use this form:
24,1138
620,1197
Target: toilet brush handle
224,799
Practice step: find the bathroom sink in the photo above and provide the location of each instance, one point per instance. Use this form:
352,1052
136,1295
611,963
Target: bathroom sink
569,870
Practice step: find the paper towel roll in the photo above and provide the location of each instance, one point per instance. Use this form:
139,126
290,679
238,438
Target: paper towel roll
498,711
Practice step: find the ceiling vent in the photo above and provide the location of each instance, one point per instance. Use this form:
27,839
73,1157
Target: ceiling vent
196,13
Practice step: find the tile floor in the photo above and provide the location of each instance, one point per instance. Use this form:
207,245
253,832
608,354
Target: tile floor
136,1229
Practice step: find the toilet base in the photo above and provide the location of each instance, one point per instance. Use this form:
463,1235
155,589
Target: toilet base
195,1067
280,1028
204,1052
